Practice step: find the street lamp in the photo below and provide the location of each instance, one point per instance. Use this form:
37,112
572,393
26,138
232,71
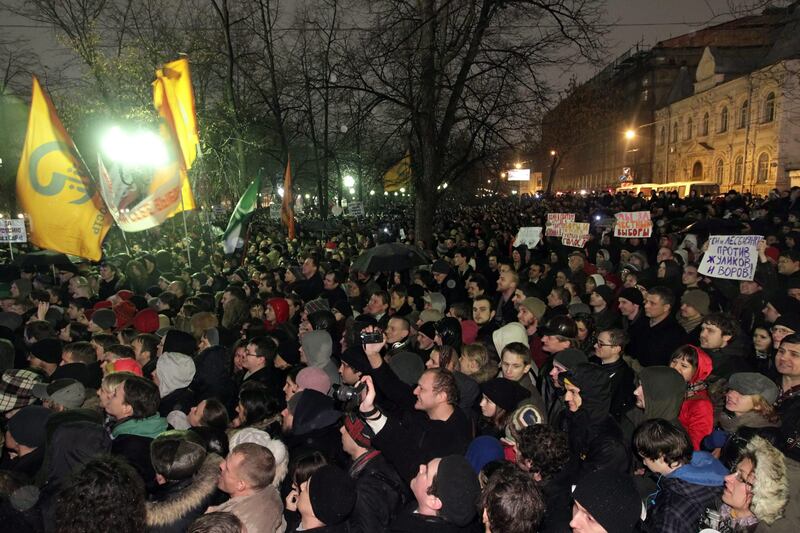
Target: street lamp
138,149
553,153
349,181
402,189
630,134
372,192
518,165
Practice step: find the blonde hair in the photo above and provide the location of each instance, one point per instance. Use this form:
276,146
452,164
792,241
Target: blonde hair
112,381
202,321
764,408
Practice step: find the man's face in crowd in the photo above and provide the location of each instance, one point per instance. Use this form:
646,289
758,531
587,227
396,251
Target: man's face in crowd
654,306
439,277
424,342
176,289
396,300
376,305
482,312
427,398
525,317
689,276
505,268
473,291
711,337
493,262
349,375
787,360
308,268
663,254
395,331
505,282
329,281
638,393
518,297
575,263
513,366
459,260
583,522
786,266
116,406
534,272
252,361
106,272
626,307
689,312
229,478
553,300
423,480
750,287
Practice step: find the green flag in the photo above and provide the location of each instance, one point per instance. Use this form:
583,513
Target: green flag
247,204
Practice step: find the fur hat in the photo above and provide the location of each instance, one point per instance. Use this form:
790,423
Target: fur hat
771,487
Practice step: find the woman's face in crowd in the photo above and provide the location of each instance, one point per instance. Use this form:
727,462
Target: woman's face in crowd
762,340
269,313
195,416
738,492
738,403
684,368
624,257
488,407
289,388
289,277
239,357
561,279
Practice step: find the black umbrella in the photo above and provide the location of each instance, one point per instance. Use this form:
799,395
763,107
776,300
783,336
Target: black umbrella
389,257
43,258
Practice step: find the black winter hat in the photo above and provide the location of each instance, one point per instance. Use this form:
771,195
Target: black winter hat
632,294
28,425
449,329
611,499
458,489
606,293
506,393
563,326
595,387
356,358
48,350
332,494
180,342
570,358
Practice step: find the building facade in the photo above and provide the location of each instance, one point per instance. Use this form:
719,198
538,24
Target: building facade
739,130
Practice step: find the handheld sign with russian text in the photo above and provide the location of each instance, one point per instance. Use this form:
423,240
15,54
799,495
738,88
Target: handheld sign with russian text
555,223
13,230
633,224
529,236
575,234
731,257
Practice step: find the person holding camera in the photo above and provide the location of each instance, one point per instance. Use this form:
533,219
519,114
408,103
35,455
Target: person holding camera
432,427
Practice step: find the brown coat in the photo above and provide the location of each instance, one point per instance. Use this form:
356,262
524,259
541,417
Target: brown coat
260,512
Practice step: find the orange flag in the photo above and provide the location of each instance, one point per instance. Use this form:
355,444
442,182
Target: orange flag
287,207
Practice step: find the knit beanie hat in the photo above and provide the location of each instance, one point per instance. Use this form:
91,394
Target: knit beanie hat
570,358
505,393
458,489
124,364
320,304
408,366
698,299
47,350
431,315
633,295
28,425
175,371
180,342
355,358
606,293
484,450
358,430
146,321
314,379
104,318
332,494
611,499
428,329
535,306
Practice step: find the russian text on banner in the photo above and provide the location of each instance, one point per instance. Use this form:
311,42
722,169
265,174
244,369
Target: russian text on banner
731,257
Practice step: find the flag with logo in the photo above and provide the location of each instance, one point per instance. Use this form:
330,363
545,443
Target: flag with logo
287,207
54,189
399,176
174,100
246,205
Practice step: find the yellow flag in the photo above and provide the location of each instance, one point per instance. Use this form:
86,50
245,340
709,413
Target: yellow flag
174,101
53,187
399,176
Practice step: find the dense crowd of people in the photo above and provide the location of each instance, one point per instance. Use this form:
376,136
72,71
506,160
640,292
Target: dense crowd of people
497,387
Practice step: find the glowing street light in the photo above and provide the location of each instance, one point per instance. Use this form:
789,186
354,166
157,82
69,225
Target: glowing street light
444,185
352,190
349,181
402,189
372,193
518,165
553,153
139,149
630,134
308,196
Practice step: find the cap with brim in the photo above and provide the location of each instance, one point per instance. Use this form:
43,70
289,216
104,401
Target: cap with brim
67,392
753,383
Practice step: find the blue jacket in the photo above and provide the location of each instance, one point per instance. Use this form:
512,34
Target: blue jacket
683,496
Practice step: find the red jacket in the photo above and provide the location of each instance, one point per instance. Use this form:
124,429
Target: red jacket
697,411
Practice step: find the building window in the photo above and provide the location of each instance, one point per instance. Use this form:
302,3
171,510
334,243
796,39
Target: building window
769,108
763,168
697,170
704,127
675,131
738,170
662,137
689,126
723,120
743,110
719,171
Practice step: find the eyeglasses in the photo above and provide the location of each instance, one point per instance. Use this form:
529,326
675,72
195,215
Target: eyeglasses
251,354
741,479
607,344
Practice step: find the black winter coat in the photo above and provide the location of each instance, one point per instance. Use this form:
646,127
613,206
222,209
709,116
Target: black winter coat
380,494
178,400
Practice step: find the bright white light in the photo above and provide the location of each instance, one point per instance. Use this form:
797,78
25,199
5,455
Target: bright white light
583,192
395,193
20,215
349,181
402,189
140,149
386,193
537,195
488,181
513,192
1,215
518,165
630,134
444,185
280,192
597,217
308,196
352,190
372,193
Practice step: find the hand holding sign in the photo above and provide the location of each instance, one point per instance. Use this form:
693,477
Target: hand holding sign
731,257
529,236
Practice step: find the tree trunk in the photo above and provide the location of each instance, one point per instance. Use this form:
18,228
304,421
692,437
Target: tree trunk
424,209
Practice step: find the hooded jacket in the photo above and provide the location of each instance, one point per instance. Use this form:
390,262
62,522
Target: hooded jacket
131,441
683,495
318,347
212,378
281,308
664,390
316,426
175,373
595,439
175,505
697,411
791,513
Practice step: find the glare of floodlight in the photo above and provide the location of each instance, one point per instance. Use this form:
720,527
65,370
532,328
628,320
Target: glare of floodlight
1,215
444,185
552,152
140,149
349,181
352,190
395,193
513,192
518,165
402,189
280,192
372,193
386,193
20,215
630,134
597,217
308,196
583,192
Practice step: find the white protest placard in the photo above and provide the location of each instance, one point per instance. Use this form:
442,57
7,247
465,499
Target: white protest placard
731,257
529,236
633,224
13,230
356,209
275,211
575,234
555,223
